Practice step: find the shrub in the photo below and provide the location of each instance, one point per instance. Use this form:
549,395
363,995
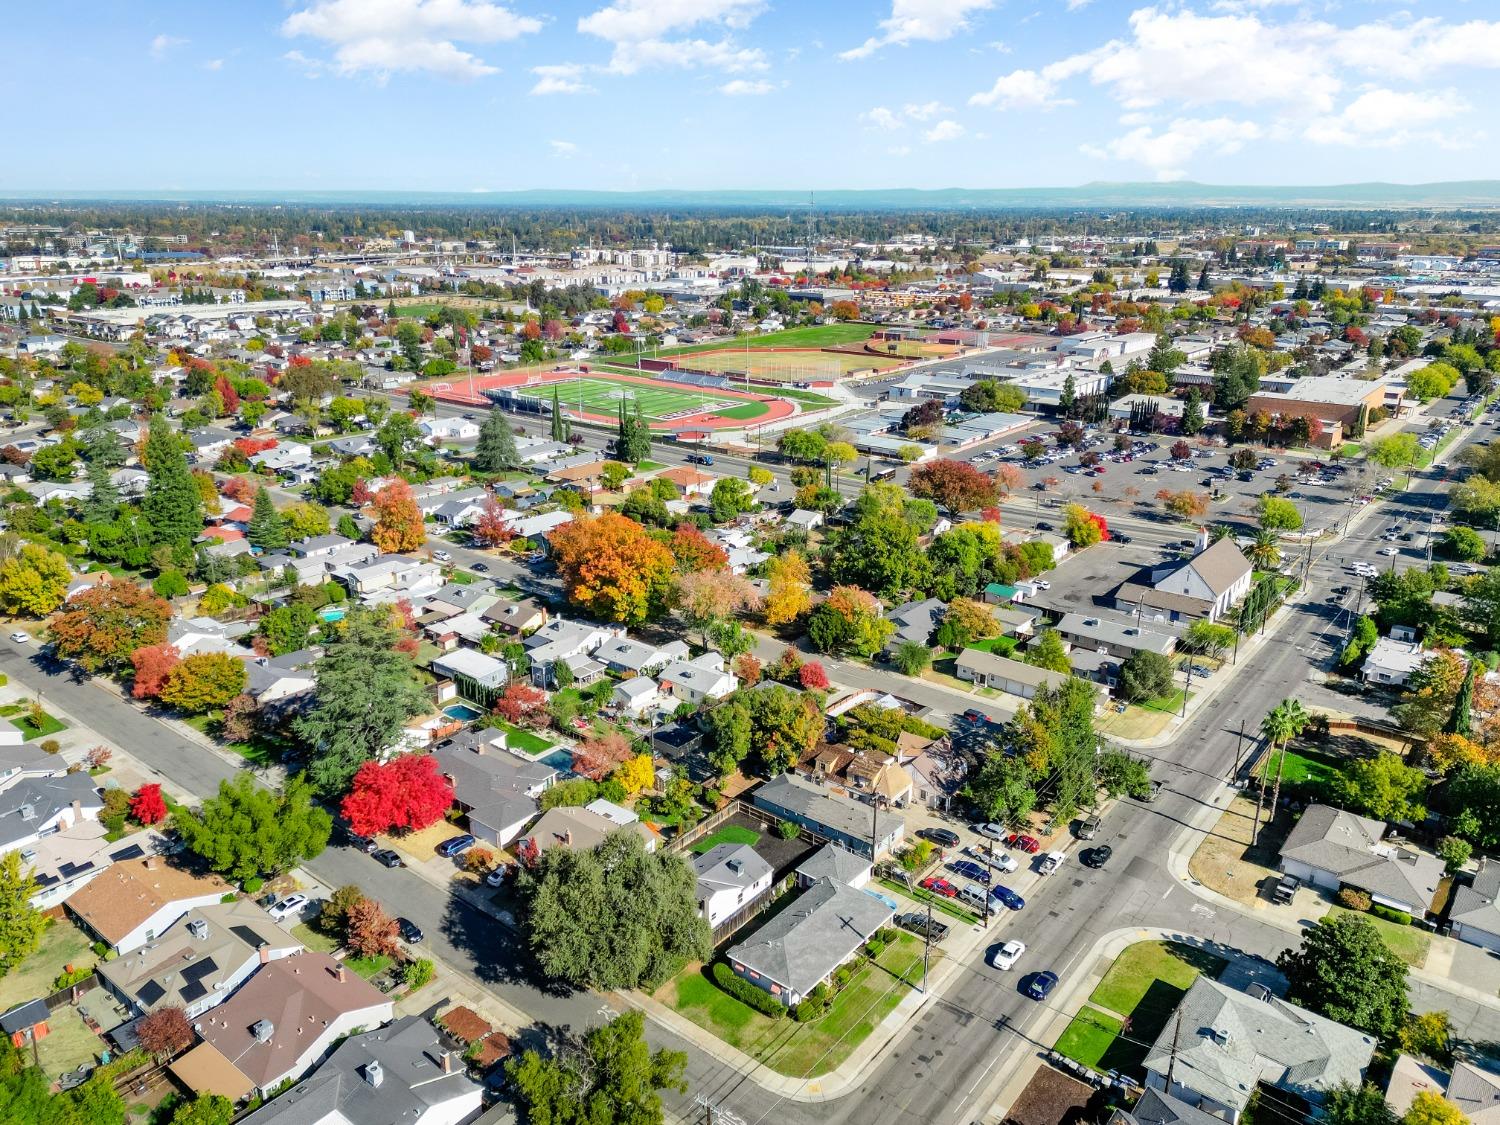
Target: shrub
1353,899
787,830
745,992
71,976
478,861
808,1010
1400,917
253,884
417,973
841,976
51,746
887,934
116,802
874,948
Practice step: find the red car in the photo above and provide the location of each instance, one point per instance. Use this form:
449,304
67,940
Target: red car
939,887
1028,844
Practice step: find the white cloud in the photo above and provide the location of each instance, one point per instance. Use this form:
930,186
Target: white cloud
1385,118
914,21
213,64
881,118
562,148
925,111
391,36
1020,89
1074,5
1167,152
945,130
163,44
1419,49
639,29
560,78
741,87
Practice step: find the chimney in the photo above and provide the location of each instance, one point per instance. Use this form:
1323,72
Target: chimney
150,863
339,974
265,953
446,1058
77,810
1202,539
568,837
374,1075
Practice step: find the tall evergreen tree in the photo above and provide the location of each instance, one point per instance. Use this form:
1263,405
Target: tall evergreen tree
1067,400
172,505
1203,278
1178,281
634,443
560,428
1462,719
1192,413
103,501
495,451
267,527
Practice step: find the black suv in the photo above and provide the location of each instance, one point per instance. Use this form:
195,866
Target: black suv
917,923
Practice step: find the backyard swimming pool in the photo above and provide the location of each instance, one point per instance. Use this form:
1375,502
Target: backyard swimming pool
560,760
462,712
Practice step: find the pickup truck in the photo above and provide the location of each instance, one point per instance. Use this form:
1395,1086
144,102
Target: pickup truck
700,459
1051,862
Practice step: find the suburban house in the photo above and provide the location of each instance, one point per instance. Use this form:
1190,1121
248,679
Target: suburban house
271,679
1202,587
33,806
635,698
136,900
1001,672
448,429
1474,1089
915,622
469,666
800,948
1330,848
730,877
284,457
516,618
936,769
836,863
841,819
626,656
288,1014
1224,1043
699,680
401,1072
576,828
1156,1108
1475,913
199,961
1391,661
1116,638
495,789
573,641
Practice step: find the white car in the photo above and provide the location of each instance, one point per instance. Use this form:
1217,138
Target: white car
993,831
1390,550
1002,861
289,907
1005,956
20,636
1041,584
442,556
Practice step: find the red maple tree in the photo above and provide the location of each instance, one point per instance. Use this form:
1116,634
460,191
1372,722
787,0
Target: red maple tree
407,792
522,705
368,930
147,805
251,446
153,664
597,757
695,551
492,528
227,393
812,677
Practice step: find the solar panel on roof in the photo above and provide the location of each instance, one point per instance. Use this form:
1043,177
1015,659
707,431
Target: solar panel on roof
150,993
246,935
135,851
201,969
191,992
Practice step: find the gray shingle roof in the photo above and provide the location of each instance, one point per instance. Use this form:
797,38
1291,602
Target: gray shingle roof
1478,906
833,862
1157,1108
1227,1041
813,936
730,866
1349,847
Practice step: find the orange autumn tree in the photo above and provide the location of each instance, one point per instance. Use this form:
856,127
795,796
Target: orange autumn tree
611,568
398,520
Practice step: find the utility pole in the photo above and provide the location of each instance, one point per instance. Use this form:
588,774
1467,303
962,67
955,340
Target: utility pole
1172,1058
1239,748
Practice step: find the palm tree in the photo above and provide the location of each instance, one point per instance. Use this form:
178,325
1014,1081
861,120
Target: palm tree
1220,531
1282,723
1264,552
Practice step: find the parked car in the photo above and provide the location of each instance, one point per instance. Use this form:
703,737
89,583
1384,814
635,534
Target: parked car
939,886
387,857
1005,955
917,923
456,845
411,933
497,876
480,568
1040,986
1088,827
970,870
20,636
942,837
1286,889
442,556
1051,862
1023,843
1096,857
289,907
992,830
1000,861
1007,898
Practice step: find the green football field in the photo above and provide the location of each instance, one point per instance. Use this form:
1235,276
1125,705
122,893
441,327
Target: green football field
602,396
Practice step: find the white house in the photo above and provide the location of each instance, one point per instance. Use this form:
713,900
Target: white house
1476,908
1391,662
1330,848
287,455
730,877
636,697
448,429
702,678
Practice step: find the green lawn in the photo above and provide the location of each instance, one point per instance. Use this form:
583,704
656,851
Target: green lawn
526,741
1000,646
368,967
796,1049
315,940
729,834
939,903
1304,767
813,336
744,412
601,395
30,730
1171,704
807,398
1406,942
259,751
1089,1038
62,944
1144,985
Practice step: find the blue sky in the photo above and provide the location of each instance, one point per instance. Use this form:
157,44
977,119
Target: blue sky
474,95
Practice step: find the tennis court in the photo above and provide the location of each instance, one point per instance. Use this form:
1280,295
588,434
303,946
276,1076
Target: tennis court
788,366
601,396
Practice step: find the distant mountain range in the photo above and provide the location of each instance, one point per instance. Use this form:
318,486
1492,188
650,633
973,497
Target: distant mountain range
1180,193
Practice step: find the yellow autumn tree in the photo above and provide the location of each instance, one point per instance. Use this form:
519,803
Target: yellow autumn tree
398,520
637,774
790,588
612,568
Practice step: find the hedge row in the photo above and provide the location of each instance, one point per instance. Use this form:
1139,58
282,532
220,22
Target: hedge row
747,993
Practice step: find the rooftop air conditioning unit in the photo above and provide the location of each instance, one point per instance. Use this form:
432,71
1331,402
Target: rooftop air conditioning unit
263,1030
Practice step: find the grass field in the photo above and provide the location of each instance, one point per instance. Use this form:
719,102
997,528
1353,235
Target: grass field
601,395
729,834
788,366
813,336
1089,1037
1301,768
